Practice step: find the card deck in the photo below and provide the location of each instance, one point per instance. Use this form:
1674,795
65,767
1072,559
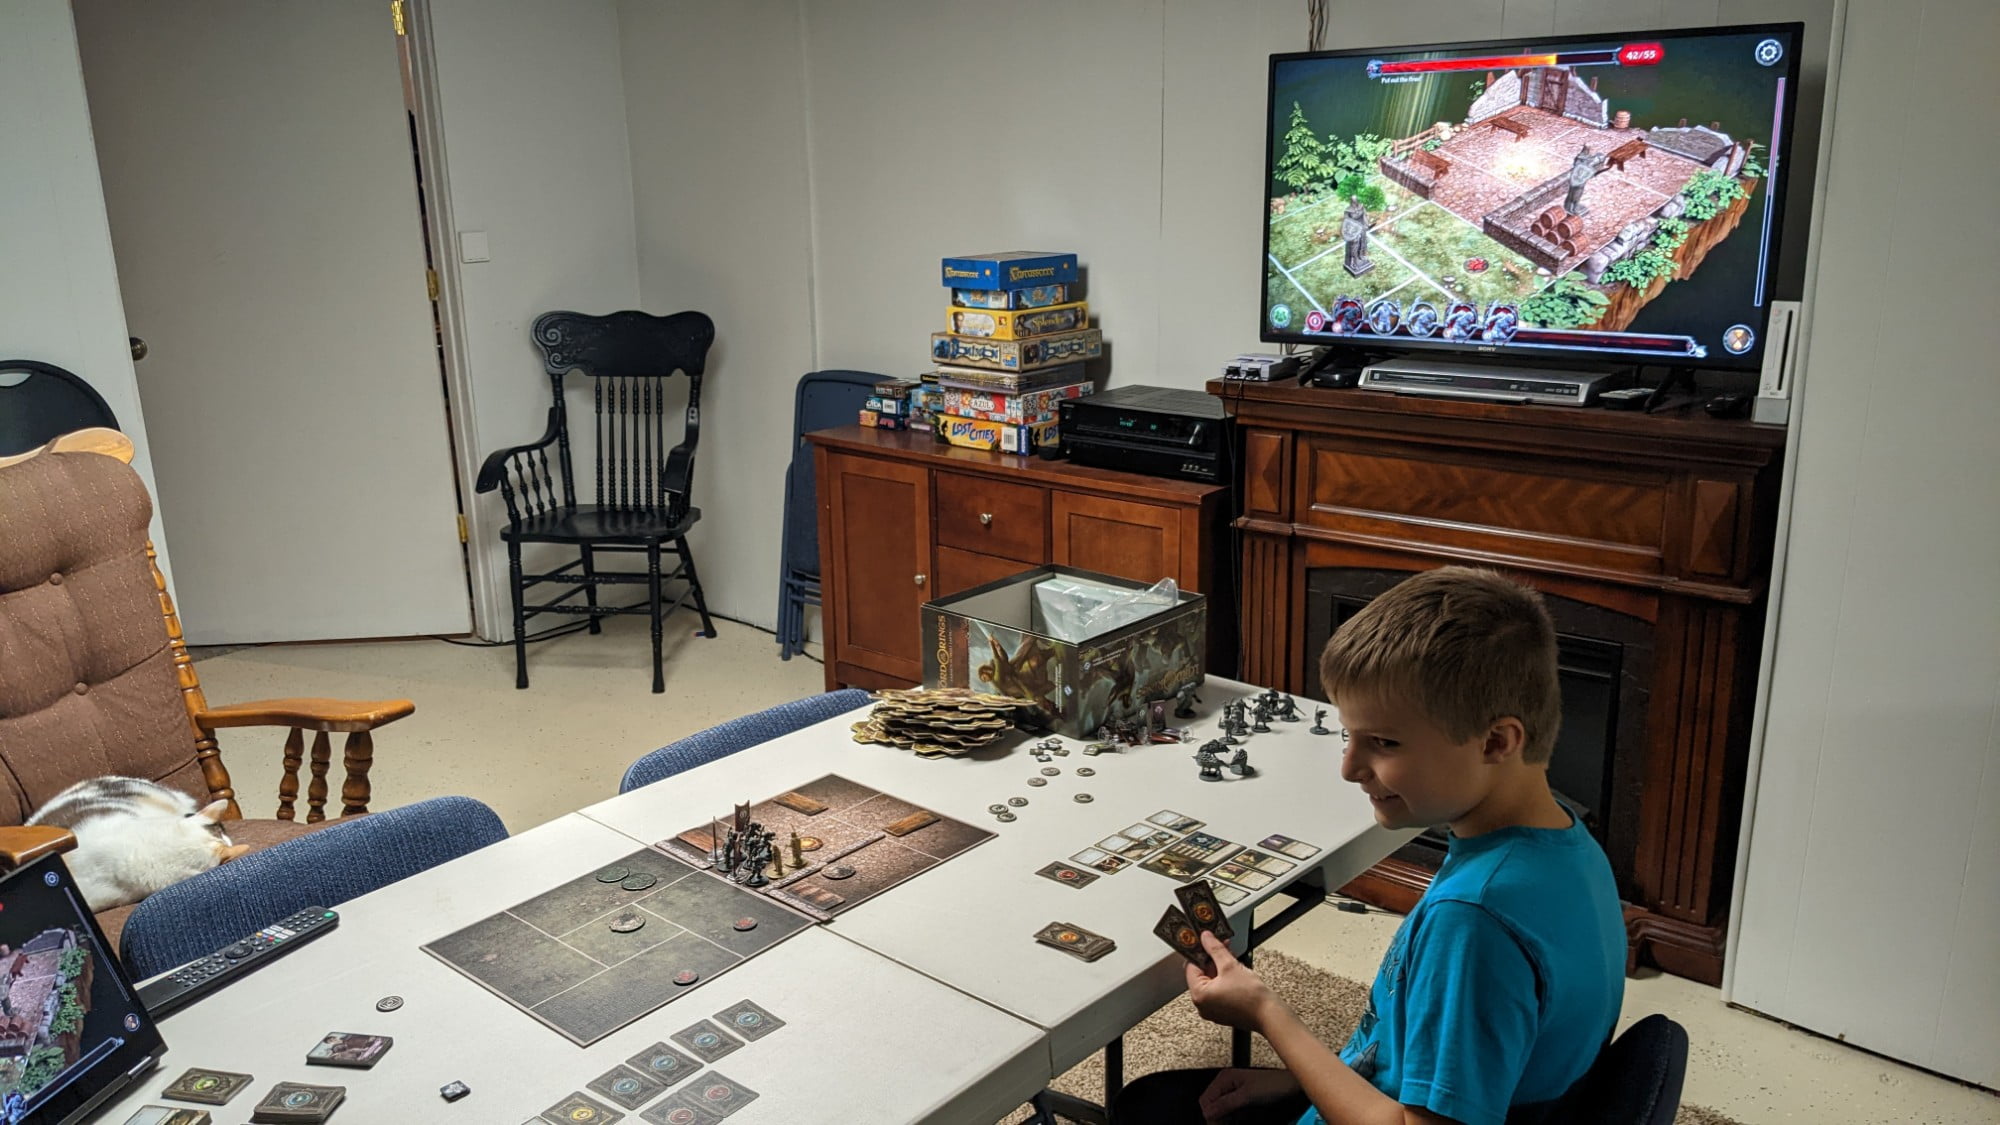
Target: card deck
297,1102
1179,868
1229,894
1204,909
168,1115
1176,930
678,1109
666,1063
626,1086
1075,940
582,1108
1097,859
1068,875
707,1041
346,1048
208,1087
1174,822
1248,878
1205,841
1297,849
749,1020
717,1094
1262,861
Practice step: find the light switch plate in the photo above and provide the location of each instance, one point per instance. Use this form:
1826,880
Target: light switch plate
472,246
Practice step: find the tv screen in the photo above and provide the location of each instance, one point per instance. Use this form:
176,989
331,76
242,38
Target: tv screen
1605,197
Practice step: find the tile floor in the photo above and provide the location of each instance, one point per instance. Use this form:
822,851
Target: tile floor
536,754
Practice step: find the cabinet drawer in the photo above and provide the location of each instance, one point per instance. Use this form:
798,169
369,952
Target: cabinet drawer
962,570
991,517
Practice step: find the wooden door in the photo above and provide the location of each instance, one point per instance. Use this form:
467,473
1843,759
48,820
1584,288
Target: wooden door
1142,542
877,551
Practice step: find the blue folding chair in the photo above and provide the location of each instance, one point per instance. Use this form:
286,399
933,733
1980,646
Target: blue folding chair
825,399
725,739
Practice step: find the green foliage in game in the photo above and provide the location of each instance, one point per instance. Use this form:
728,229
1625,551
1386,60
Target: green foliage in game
72,961
1357,185
1708,193
69,1014
43,1064
1565,303
1304,155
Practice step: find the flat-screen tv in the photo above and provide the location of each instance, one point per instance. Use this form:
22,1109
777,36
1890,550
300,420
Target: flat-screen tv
1603,198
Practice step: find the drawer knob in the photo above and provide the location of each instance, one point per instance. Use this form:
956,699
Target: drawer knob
920,579
986,519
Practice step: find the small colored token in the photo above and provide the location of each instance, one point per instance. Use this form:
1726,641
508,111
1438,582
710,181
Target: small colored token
639,881
1085,771
452,1091
686,976
613,874
996,808
1050,771
811,843
839,871
1060,751
1017,802
1005,818
1038,782
388,1003
746,923
1083,798
627,922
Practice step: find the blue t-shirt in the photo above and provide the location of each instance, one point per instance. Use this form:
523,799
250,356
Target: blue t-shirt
1504,982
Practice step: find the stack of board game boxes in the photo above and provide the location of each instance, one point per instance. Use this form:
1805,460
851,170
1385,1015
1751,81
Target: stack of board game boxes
890,404
1017,336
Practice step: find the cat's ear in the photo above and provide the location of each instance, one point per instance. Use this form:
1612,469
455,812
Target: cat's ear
213,810
234,851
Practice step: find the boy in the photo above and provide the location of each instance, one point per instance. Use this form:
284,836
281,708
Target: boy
1506,979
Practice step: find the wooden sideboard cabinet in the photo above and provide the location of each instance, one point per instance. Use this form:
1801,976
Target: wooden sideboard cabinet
904,520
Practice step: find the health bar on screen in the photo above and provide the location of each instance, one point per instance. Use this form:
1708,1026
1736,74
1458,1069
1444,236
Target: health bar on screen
1632,54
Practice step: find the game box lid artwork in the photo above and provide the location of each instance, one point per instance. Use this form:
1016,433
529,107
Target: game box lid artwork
1007,637
589,956
1608,198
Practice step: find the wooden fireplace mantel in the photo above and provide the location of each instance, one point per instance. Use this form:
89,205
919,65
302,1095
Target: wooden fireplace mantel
1666,518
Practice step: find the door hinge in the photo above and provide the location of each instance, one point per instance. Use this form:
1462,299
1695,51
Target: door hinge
396,17
462,536
431,283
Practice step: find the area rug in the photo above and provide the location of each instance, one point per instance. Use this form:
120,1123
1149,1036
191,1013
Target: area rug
1175,1036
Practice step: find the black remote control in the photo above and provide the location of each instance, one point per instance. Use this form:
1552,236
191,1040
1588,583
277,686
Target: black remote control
238,959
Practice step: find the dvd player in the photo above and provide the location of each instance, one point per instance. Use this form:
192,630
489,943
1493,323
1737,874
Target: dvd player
1492,383
1159,431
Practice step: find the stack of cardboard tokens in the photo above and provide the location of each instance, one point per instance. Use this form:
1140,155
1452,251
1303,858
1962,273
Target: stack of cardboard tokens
938,721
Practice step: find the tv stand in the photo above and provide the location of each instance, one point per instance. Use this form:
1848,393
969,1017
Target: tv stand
1336,367
1677,378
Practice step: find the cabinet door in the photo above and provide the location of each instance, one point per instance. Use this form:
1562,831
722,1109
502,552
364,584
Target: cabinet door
1142,542
878,557
962,570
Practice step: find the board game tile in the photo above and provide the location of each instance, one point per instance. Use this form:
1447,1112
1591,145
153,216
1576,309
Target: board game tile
559,910
513,959
709,907
836,792
615,997
598,941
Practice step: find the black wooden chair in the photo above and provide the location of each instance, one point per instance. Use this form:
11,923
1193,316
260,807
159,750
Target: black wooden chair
642,485
40,402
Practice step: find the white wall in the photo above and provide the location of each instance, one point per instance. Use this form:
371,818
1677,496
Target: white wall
714,99
59,299
1872,889
531,101
1134,136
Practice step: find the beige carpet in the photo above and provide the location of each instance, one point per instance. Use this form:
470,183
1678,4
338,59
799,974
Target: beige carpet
1176,1037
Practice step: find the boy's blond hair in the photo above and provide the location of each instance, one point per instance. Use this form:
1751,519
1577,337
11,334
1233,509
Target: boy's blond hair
1463,646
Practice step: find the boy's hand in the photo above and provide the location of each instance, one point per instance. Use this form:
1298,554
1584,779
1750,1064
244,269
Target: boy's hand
1234,1091
1235,995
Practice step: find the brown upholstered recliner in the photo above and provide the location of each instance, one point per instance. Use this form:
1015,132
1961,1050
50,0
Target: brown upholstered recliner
94,676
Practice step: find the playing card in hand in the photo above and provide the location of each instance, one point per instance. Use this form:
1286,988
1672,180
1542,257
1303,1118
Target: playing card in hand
1204,909
1176,930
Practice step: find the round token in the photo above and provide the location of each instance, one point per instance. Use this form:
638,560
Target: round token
388,1003
838,871
996,808
1083,798
1085,771
811,843
613,874
1060,751
638,880
1038,782
686,976
1018,802
627,922
1050,771
1005,818
746,923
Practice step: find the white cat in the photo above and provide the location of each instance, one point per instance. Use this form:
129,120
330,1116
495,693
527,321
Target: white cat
135,837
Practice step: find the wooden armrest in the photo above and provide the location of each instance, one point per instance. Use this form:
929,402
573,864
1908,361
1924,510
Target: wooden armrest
308,714
24,844
495,467
93,439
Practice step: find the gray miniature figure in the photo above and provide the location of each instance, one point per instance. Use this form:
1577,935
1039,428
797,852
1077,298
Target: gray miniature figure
1319,721
1354,233
759,857
1586,165
1184,701
1210,760
1239,763
1289,711
1262,719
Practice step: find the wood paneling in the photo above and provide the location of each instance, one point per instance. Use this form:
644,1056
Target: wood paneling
1141,542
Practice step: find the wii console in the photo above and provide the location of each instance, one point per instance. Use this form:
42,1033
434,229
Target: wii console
1781,366
1415,375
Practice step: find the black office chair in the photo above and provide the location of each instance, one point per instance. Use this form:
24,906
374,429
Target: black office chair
1636,1079
642,486
40,402
825,399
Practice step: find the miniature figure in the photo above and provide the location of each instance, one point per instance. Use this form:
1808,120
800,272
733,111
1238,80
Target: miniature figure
1239,763
1209,760
798,851
1319,721
1288,710
1262,717
1354,234
1184,701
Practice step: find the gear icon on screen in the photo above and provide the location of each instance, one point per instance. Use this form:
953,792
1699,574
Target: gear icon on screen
1769,52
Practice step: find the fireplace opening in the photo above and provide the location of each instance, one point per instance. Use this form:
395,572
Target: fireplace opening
1604,664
